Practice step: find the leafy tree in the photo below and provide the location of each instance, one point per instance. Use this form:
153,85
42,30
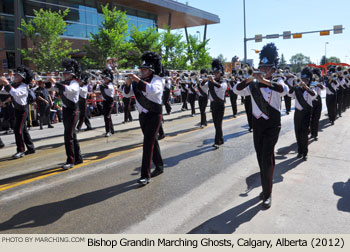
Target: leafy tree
298,61
173,50
147,40
44,30
110,40
222,59
333,59
197,53
283,62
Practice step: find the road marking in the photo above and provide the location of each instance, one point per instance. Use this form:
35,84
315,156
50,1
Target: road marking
58,170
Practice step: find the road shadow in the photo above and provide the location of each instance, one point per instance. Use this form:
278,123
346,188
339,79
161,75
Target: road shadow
342,189
254,180
226,137
175,160
49,213
229,221
323,124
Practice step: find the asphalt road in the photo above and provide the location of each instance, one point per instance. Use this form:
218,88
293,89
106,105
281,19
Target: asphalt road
201,191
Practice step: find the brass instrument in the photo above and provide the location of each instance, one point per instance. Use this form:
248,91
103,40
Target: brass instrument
297,81
339,69
334,76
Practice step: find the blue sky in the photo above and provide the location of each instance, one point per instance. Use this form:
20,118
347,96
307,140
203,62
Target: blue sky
275,16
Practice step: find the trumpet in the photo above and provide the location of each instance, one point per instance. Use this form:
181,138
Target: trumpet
315,78
297,81
334,76
250,72
339,69
345,73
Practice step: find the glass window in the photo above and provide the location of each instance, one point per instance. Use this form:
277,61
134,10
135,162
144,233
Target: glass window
9,41
6,6
7,23
76,30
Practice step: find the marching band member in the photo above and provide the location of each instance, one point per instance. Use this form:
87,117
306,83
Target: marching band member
184,92
107,92
167,92
316,104
304,97
233,95
19,93
331,84
266,104
217,89
289,83
44,103
191,93
148,91
69,93
203,96
83,93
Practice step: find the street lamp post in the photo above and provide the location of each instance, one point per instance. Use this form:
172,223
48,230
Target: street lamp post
199,35
245,37
325,52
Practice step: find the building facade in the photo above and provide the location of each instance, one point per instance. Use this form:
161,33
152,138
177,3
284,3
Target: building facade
85,16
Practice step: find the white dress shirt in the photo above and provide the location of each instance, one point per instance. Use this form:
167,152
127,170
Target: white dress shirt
220,92
71,92
20,94
271,96
83,91
307,97
205,89
334,86
154,93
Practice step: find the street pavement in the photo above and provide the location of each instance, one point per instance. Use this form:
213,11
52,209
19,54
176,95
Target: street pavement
202,190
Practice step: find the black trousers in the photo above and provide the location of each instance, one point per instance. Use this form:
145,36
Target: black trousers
9,115
288,102
70,119
150,123
44,112
21,132
184,100
248,110
331,102
217,111
192,100
233,99
339,101
344,102
127,113
82,115
315,116
265,135
301,128
203,102
166,97
107,114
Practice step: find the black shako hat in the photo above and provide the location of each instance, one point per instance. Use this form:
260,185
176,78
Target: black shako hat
25,73
151,60
85,76
306,74
71,66
269,56
216,66
107,73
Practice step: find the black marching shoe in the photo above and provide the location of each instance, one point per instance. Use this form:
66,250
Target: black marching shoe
50,126
160,137
80,161
18,155
261,196
300,155
2,145
250,129
29,152
267,203
87,129
216,146
67,166
305,157
144,181
157,172
108,134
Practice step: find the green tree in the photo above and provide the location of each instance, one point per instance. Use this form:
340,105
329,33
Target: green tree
283,62
298,61
44,30
222,59
147,40
197,53
110,40
333,59
173,50
323,60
